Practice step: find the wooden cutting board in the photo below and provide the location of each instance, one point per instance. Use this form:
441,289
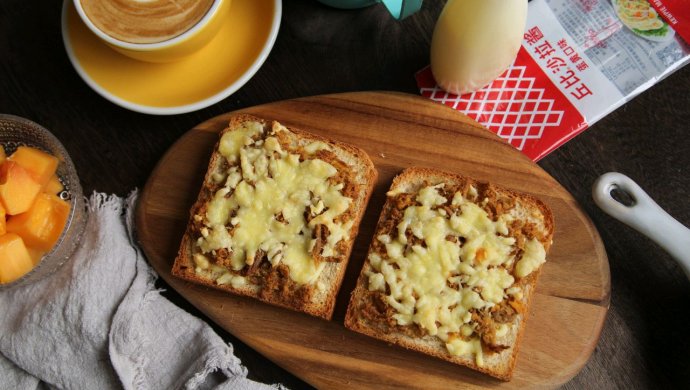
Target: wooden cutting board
398,131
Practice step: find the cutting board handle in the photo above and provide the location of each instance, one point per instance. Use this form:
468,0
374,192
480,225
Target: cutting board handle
643,215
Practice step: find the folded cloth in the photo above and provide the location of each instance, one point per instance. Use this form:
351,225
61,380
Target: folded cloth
99,323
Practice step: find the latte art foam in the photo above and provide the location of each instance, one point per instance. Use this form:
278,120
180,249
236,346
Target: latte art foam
145,21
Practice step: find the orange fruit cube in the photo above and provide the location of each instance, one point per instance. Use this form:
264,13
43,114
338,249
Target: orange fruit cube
40,227
41,164
3,221
36,255
18,189
53,186
3,156
15,260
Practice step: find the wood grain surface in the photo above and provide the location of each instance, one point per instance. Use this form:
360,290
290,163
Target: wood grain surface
397,131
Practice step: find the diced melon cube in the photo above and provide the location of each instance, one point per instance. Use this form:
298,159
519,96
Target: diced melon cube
36,255
18,189
3,156
15,260
53,186
42,224
41,164
3,221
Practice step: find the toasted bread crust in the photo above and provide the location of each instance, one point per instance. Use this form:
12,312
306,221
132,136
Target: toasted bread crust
272,285
498,364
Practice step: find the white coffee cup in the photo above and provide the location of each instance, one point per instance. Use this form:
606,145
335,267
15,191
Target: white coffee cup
175,48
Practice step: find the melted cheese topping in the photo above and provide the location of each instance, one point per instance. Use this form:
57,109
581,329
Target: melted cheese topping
533,257
263,203
437,284
221,275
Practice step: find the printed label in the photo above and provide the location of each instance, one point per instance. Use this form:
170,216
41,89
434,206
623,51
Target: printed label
579,61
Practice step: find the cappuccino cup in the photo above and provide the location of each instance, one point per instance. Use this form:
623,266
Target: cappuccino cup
154,30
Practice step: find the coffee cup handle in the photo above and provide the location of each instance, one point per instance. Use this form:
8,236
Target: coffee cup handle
400,9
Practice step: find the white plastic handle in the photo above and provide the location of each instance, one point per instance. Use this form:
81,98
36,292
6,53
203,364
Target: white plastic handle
644,215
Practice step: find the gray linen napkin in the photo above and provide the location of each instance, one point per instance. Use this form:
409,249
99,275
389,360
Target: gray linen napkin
99,323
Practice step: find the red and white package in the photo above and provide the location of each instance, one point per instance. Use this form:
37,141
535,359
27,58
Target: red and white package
579,61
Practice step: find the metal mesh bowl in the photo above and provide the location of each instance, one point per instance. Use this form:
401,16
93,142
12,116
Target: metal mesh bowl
15,132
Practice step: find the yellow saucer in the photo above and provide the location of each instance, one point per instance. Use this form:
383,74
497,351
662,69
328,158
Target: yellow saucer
198,81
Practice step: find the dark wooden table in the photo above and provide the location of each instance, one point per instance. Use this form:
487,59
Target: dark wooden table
645,342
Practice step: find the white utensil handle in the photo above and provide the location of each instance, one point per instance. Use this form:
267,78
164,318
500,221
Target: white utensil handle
644,215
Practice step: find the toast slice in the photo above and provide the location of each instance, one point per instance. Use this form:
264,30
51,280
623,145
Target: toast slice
276,216
451,269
